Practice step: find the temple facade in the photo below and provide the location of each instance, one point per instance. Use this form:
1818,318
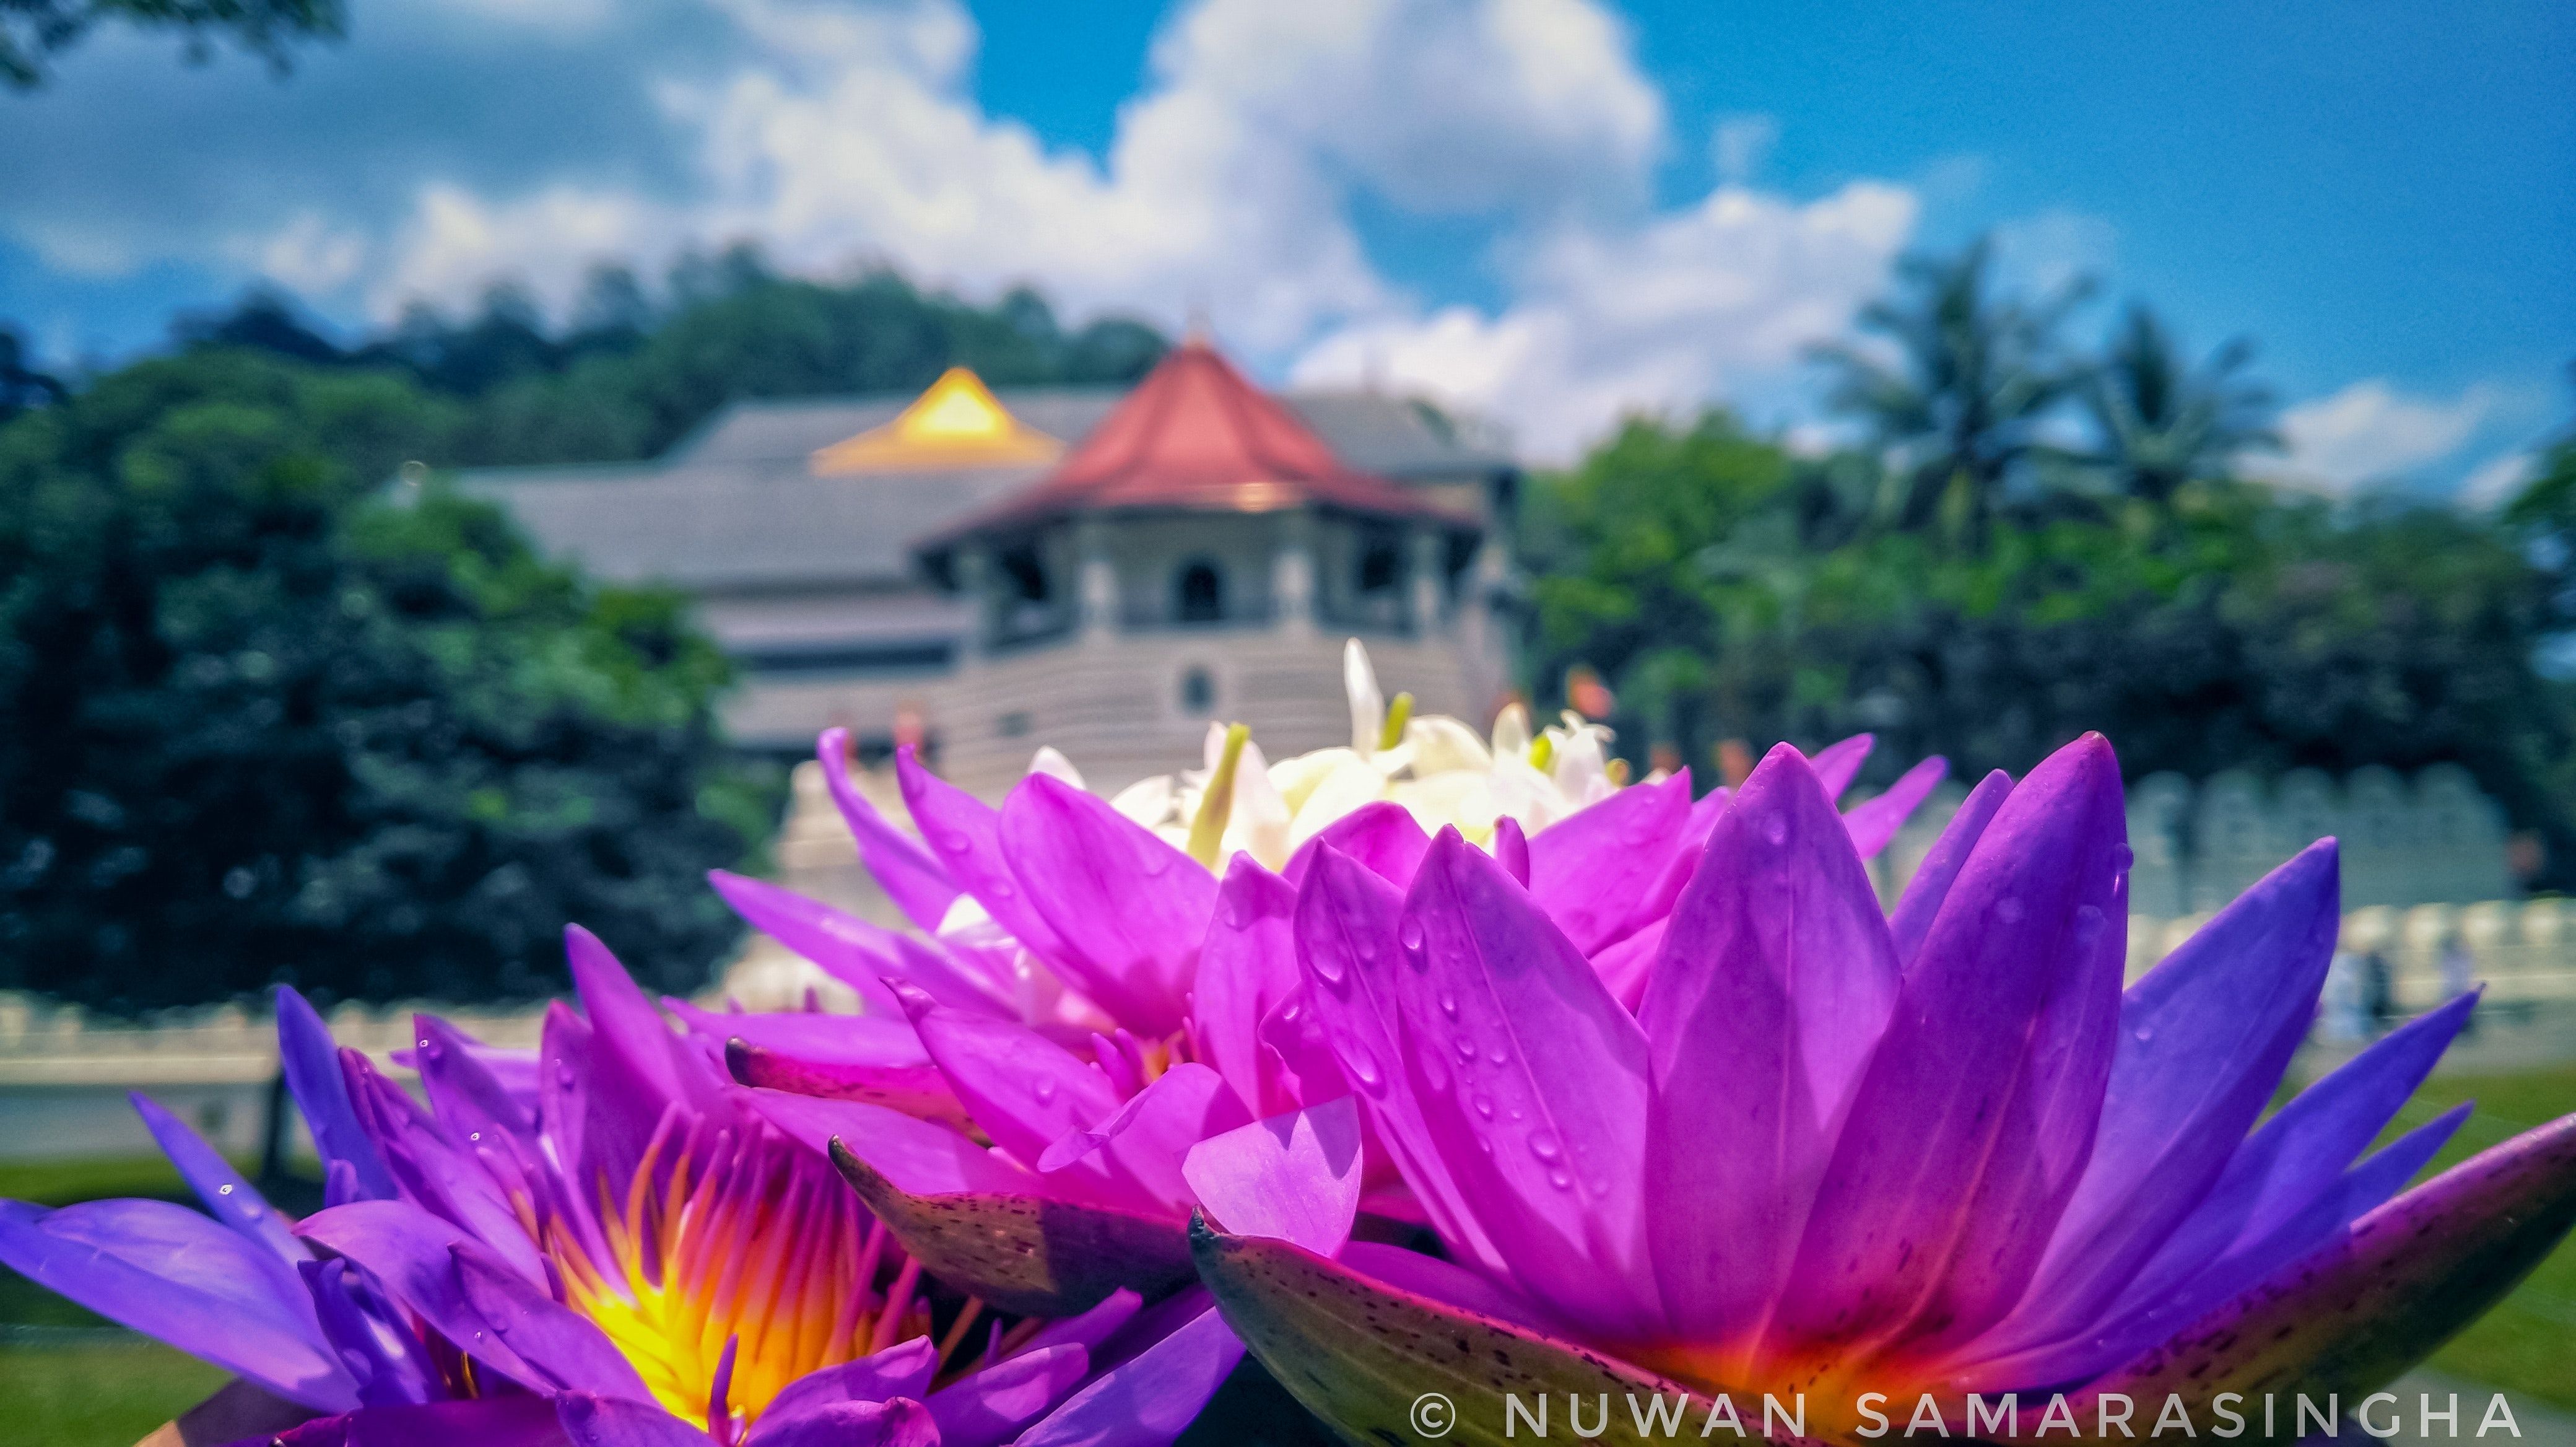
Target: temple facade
981,572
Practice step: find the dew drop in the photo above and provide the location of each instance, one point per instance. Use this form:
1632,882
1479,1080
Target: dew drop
1543,1145
2122,856
2145,1033
955,841
1327,964
1484,1106
1776,828
1156,862
2009,910
225,1189
474,1135
1410,934
1448,1004
1466,1049
1497,1054
1002,889
1364,1065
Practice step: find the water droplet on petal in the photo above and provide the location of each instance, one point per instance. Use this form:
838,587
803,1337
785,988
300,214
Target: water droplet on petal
1448,1004
2122,856
225,1189
1560,1180
1044,1090
1776,828
1466,1049
955,841
1410,933
1484,1106
1328,965
1364,1065
1001,889
1543,1145
2146,1033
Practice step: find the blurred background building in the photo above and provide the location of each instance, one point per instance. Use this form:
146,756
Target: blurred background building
1104,570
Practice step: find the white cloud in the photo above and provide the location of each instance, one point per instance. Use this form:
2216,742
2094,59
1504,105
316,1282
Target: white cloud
2494,482
2371,432
852,136
1653,318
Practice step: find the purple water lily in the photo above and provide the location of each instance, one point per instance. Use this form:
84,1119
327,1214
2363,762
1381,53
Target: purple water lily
1197,985
1837,1152
614,1247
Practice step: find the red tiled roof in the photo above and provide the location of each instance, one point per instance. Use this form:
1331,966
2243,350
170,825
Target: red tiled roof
1196,436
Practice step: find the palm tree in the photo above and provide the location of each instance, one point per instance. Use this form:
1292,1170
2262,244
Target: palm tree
1961,406
2160,423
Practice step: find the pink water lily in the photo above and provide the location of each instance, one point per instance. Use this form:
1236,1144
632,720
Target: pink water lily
1190,986
1836,1152
607,1246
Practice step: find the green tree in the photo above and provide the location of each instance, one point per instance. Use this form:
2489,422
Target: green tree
1961,404
33,32
2161,422
21,386
258,723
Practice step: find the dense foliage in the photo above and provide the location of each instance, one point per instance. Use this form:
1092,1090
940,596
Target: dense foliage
33,32
256,725
1727,589
630,376
265,717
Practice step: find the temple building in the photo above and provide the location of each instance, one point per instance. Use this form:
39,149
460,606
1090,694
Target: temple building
982,572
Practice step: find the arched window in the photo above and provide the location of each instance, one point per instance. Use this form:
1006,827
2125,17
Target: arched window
1381,561
1198,593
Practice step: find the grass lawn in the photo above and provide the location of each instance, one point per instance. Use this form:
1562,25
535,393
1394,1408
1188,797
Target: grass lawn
2528,1343
109,1394
104,1395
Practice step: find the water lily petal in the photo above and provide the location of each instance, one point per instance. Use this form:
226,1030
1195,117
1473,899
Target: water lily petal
1442,1281
632,1046
1599,873
966,834
2204,1040
1026,1091
851,950
898,1423
986,1408
1383,836
1090,1328
872,1058
916,1155
1022,1252
194,1283
1358,1351
1977,1111
1294,1176
1874,823
311,1063
1837,764
1776,980
411,1255
1532,1079
1142,1146
1344,911
1248,967
547,1335
1940,868
2374,1300
910,875
228,1194
508,1421
587,1420
1150,1399
1129,909
902,1370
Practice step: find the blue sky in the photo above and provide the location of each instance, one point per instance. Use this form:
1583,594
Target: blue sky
1555,210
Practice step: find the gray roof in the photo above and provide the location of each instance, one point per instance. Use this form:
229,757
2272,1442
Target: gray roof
733,505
